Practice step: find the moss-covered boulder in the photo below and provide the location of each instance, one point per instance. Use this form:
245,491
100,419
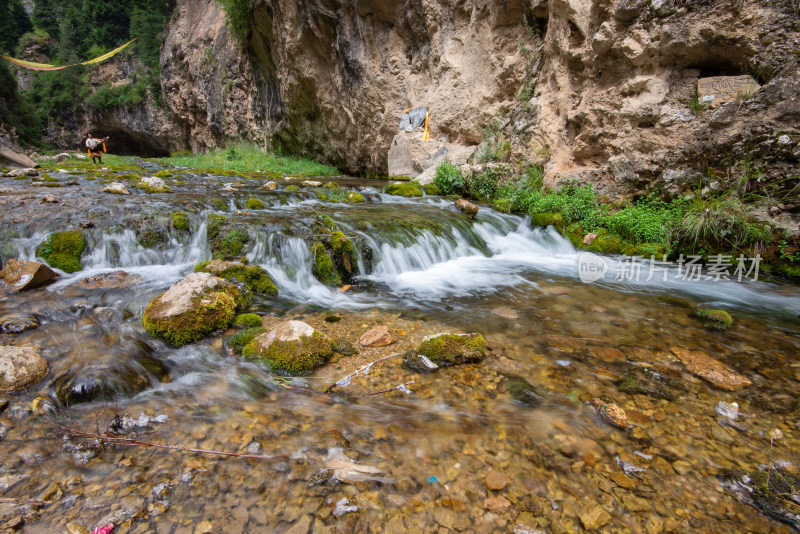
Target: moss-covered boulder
153,184
431,189
228,242
355,198
345,257
247,320
714,319
323,267
453,349
292,188
238,341
292,347
193,308
254,277
180,221
253,204
548,219
63,250
405,189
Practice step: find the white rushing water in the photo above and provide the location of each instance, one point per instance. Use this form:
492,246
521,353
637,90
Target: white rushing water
448,258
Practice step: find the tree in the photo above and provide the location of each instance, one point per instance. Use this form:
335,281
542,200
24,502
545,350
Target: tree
46,15
14,22
109,20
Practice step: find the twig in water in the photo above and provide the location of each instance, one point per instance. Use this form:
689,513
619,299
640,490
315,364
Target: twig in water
118,440
401,387
365,369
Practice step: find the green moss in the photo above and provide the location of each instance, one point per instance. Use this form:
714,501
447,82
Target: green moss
715,319
345,257
53,184
149,189
323,224
209,312
240,340
355,197
503,205
292,188
405,189
63,250
331,185
291,357
772,491
549,219
247,320
131,177
230,245
163,174
453,349
214,225
431,189
180,221
201,267
332,195
218,204
48,178
253,276
254,204
323,267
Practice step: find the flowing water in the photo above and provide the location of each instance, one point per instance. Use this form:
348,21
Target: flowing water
461,450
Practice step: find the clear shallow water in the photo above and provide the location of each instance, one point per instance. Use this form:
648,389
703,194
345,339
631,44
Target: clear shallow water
432,271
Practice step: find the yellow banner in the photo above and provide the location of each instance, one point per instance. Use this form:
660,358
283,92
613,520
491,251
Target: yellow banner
44,67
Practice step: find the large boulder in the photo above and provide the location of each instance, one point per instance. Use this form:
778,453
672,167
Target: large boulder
410,156
193,308
22,274
453,349
20,367
15,160
292,347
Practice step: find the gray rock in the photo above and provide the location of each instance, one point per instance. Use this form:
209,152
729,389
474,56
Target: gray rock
20,367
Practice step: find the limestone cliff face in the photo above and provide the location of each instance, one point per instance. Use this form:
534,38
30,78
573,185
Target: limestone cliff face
595,90
616,77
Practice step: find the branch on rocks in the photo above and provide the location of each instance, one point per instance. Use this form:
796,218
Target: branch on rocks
363,369
401,387
111,439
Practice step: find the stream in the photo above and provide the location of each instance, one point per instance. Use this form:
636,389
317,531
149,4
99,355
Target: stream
512,444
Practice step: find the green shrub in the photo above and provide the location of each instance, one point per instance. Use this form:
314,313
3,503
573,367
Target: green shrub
449,180
719,220
239,14
648,221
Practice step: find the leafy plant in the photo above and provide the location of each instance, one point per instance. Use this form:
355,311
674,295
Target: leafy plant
239,14
696,106
449,180
719,220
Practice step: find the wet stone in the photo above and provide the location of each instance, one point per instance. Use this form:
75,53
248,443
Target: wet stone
714,371
721,435
379,336
594,517
18,323
607,354
496,480
497,505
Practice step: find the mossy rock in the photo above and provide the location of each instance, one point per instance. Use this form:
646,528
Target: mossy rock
48,178
238,341
248,320
131,177
180,221
453,349
522,390
193,308
109,383
149,232
213,225
646,381
63,250
323,224
345,257
405,189
292,188
355,198
253,204
771,492
218,204
331,185
230,244
323,267
163,174
549,219
292,348
714,319
431,189
254,277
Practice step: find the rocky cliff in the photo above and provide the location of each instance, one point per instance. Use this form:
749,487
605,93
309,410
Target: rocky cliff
595,90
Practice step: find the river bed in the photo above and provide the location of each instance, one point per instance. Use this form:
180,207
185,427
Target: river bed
461,450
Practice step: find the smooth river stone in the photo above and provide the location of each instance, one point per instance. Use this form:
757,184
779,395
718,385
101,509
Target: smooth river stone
714,371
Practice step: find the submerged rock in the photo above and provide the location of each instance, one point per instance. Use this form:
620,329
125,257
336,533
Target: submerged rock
253,276
713,371
63,250
112,280
192,308
115,188
467,208
522,391
20,367
611,413
417,363
109,382
292,347
18,323
379,336
453,349
22,274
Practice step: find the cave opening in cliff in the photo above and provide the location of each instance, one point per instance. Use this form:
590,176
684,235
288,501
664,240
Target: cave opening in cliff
125,143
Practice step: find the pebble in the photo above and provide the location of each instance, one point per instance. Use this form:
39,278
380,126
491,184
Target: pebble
496,480
497,505
681,467
729,411
611,413
721,435
594,517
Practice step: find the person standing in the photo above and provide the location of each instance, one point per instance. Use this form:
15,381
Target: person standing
93,144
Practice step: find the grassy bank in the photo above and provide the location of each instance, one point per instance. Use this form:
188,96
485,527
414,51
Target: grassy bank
703,225
249,158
